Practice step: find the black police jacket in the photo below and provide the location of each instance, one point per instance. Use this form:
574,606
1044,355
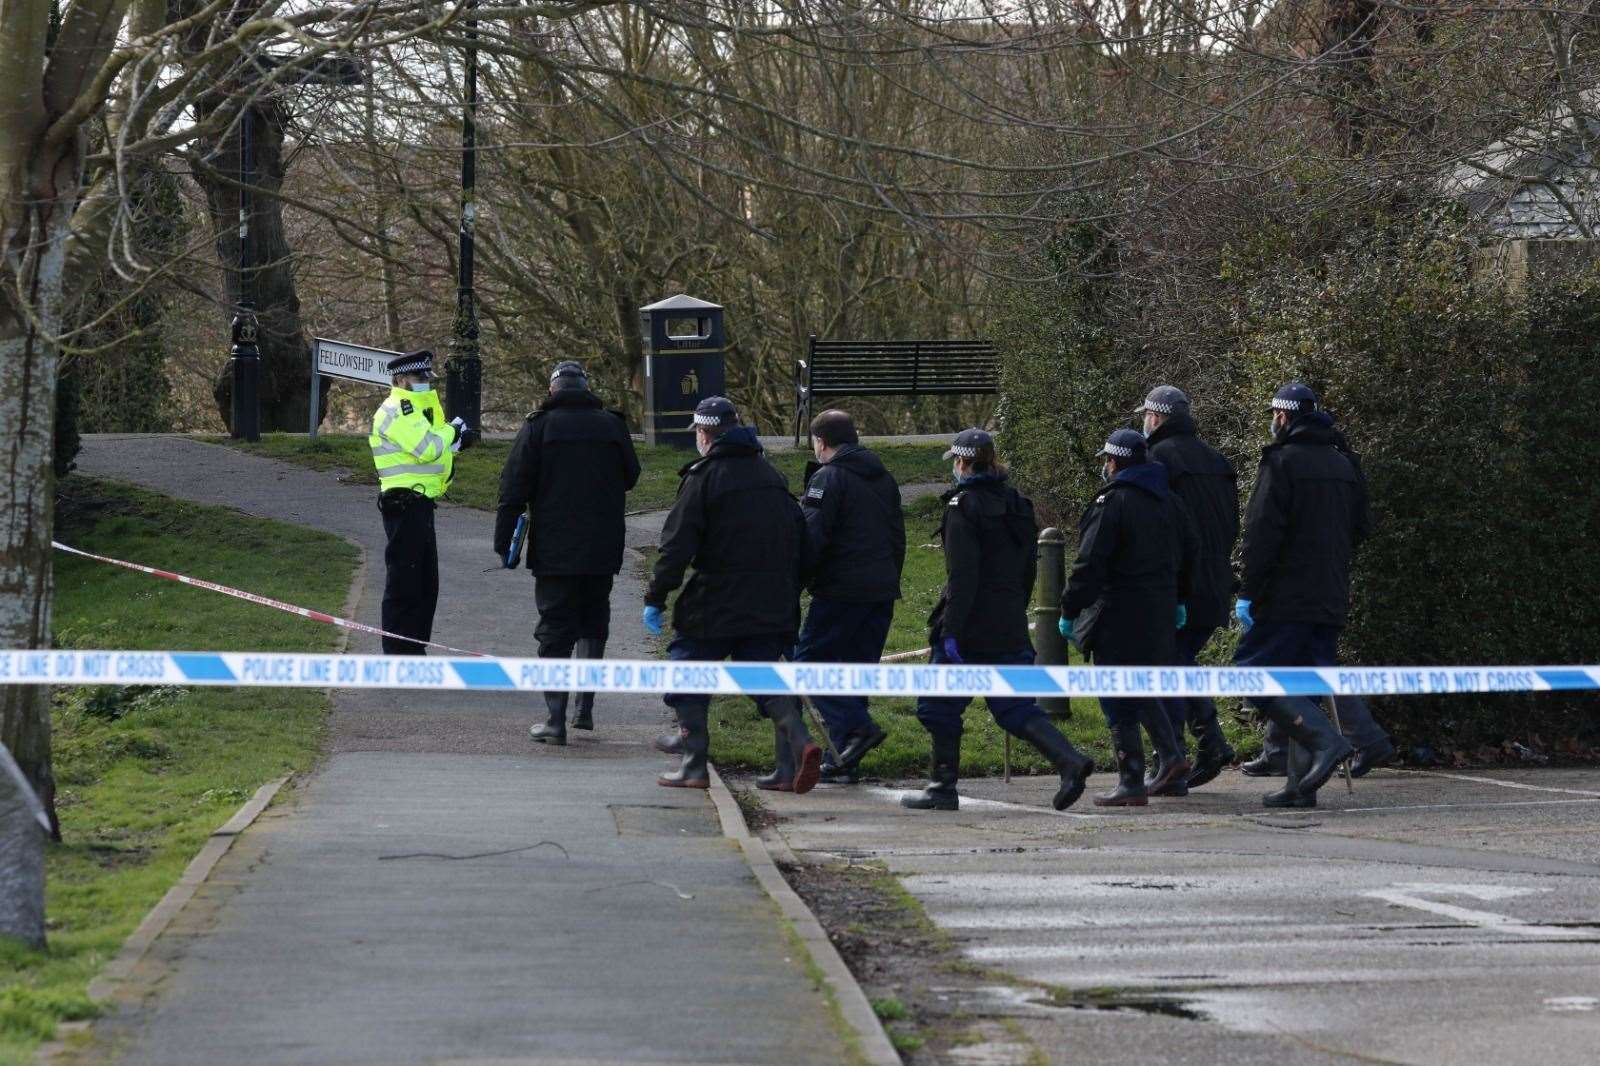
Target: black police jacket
570,468
991,550
855,532
1209,488
1137,552
735,523
1307,515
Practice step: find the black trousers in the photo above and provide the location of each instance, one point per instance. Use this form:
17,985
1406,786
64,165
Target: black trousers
411,580
572,607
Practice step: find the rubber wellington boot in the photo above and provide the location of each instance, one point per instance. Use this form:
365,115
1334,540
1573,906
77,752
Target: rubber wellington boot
1305,722
696,748
1073,766
1130,790
1267,764
554,730
940,795
832,774
782,777
1213,752
583,712
1290,795
1369,759
1172,762
806,757
670,742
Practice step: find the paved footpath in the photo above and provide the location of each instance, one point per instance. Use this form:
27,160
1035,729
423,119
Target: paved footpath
1429,919
441,888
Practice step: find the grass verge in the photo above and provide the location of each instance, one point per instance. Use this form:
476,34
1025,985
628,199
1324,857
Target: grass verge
477,480
145,775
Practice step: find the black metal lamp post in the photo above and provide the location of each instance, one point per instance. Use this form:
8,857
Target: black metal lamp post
245,356
464,372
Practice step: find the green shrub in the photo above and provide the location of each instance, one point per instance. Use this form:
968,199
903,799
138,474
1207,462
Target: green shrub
1470,406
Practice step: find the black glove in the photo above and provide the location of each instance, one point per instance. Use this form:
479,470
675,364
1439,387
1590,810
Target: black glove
469,437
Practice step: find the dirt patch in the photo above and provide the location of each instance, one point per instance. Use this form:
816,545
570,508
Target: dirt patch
922,988
756,816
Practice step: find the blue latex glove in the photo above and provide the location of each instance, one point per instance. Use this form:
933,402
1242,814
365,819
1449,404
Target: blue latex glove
1241,611
951,652
1183,615
1064,627
652,620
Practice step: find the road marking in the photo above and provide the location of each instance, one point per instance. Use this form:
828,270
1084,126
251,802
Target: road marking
978,803
1571,1003
1505,784
1452,806
1405,895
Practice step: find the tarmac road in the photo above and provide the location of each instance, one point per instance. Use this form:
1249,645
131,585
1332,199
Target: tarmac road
1425,919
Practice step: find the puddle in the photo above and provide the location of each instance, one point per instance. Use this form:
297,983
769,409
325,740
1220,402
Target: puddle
1565,1004
1120,1001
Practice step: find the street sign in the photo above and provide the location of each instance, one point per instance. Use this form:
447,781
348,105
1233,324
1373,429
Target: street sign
352,362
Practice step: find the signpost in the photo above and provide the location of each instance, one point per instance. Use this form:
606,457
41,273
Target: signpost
352,362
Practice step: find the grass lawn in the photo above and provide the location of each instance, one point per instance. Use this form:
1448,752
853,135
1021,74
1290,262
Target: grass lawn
477,480
146,774
741,738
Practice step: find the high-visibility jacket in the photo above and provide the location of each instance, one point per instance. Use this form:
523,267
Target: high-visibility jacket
411,442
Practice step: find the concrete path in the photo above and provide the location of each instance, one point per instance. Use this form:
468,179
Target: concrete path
443,889
1425,919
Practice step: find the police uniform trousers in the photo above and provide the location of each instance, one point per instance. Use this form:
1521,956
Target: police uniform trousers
760,648
1268,643
572,607
411,570
1194,711
839,632
941,715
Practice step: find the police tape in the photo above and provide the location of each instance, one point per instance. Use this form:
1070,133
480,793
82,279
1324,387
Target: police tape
295,670
255,598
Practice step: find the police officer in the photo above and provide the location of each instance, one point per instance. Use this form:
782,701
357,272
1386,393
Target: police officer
569,470
413,449
1209,488
735,523
990,558
1306,517
1124,603
855,551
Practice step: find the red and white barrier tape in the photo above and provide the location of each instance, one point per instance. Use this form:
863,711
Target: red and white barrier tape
264,601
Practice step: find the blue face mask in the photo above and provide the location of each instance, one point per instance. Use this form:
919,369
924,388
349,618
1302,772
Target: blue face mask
421,386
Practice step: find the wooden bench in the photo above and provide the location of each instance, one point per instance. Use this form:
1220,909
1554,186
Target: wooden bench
891,368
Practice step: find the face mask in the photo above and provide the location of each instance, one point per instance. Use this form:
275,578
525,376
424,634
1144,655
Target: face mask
1105,474
421,386
1146,427
955,472
702,445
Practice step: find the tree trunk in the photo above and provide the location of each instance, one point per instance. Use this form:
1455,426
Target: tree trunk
21,857
285,354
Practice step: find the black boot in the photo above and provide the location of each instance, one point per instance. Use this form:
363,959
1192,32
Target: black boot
803,751
833,775
1305,722
860,743
583,712
1369,759
1172,762
1073,766
1213,752
1130,790
554,731
670,742
940,795
696,748
1267,764
1290,795
782,777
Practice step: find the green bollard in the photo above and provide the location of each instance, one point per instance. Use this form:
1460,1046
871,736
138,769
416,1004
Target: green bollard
1047,640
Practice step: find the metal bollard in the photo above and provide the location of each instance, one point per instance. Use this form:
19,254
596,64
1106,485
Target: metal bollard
1048,643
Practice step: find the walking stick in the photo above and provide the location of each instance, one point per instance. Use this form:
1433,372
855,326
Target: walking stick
1349,782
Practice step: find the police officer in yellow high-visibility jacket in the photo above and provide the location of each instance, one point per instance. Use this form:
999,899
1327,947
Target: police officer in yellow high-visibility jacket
413,449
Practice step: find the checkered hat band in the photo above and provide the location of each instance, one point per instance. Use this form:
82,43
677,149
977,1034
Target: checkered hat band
1118,450
411,367
707,420
1159,408
1286,405
963,450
